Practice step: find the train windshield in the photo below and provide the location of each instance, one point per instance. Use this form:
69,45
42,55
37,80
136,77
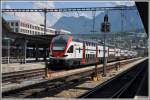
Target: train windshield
60,42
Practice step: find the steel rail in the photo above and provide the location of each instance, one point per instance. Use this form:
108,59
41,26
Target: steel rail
22,75
108,86
124,88
131,90
66,78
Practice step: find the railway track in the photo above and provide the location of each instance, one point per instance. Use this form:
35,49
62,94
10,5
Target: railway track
59,83
123,85
22,75
19,76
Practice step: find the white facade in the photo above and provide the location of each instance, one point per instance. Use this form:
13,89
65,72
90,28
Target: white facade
32,29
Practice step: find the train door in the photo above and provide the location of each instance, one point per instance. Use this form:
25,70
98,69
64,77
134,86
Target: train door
83,57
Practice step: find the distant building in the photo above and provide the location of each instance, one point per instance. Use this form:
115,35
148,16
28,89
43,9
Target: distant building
33,29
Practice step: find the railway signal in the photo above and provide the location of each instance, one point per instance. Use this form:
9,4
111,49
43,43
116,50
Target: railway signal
105,27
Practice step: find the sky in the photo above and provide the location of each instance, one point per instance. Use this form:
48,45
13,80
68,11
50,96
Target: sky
52,18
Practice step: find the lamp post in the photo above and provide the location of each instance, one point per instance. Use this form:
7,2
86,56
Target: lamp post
105,27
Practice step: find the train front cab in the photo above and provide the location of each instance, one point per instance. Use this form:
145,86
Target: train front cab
65,52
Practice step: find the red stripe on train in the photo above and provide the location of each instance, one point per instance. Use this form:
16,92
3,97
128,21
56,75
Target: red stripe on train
68,42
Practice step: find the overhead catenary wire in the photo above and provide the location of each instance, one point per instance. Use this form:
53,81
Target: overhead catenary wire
71,9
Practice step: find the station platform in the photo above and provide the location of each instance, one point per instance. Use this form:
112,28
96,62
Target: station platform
13,67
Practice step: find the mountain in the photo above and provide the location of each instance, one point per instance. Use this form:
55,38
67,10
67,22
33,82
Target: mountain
83,25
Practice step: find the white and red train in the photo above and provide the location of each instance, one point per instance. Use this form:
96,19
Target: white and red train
67,51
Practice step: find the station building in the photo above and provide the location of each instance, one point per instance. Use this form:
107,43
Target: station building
23,27
22,41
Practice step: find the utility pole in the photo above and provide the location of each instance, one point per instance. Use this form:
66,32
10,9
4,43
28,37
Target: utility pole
105,27
95,77
46,63
45,12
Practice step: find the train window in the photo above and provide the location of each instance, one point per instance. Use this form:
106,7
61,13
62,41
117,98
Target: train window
70,50
59,42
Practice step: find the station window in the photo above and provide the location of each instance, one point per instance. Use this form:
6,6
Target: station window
16,30
70,50
16,23
12,23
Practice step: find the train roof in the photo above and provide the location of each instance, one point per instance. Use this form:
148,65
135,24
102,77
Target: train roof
89,41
